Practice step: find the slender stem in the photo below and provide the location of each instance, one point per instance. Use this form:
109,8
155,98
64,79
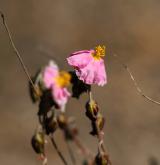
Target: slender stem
84,150
16,51
136,84
89,156
58,151
99,134
90,96
71,153
100,139
44,158
101,145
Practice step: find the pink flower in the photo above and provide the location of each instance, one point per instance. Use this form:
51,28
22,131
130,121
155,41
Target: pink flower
89,65
57,81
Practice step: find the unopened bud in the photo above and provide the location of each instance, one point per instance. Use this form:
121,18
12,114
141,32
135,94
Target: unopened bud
71,130
36,91
102,160
46,102
62,121
50,125
38,142
92,110
85,162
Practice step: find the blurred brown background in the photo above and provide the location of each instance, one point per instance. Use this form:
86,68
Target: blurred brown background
56,28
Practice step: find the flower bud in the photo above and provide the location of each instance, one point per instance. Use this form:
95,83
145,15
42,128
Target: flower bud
36,79
85,162
50,124
102,160
78,86
62,121
92,110
46,102
71,130
38,142
70,133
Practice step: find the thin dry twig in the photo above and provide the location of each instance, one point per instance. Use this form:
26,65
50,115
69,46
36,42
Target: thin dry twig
28,76
58,151
16,50
89,156
84,150
71,153
135,82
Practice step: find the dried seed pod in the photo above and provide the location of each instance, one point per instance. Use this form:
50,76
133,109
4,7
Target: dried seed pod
38,142
62,121
35,96
92,110
85,162
101,160
46,102
78,87
50,124
70,133
88,162
73,127
100,121
71,130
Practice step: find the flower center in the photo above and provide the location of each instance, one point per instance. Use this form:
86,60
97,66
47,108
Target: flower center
99,52
63,79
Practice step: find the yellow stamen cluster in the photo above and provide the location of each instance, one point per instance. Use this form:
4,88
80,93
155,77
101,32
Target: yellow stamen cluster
99,52
63,79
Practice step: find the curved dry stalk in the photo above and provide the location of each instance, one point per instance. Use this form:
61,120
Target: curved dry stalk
135,82
16,51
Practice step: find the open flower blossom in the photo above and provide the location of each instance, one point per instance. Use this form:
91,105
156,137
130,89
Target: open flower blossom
57,81
89,65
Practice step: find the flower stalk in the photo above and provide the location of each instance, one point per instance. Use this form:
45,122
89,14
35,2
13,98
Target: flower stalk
58,151
100,134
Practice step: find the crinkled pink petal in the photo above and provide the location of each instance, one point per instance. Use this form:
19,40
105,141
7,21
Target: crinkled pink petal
93,73
50,72
80,52
60,95
80,59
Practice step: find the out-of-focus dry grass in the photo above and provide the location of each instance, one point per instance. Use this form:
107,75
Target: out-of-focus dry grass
127,27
